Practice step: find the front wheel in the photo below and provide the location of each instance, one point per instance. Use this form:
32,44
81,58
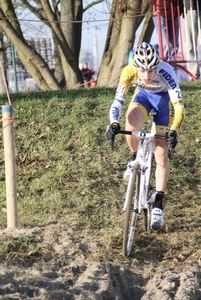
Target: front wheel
131,210
150,182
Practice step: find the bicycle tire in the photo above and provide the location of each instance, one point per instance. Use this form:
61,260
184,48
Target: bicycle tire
131,212
146,214
145,220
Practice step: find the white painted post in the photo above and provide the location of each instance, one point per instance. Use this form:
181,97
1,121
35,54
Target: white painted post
10,166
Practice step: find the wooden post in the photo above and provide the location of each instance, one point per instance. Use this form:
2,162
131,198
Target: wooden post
10,166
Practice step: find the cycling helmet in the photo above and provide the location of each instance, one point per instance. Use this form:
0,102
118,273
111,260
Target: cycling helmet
145,56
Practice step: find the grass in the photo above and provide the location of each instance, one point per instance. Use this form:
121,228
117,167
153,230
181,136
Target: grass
23,250
66,172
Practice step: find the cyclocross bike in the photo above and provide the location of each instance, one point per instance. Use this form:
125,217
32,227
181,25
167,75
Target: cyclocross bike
140,187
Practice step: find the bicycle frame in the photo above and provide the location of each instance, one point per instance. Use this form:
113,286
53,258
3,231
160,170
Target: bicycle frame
144,158
138,194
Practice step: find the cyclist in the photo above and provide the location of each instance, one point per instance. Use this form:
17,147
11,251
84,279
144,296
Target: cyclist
156,89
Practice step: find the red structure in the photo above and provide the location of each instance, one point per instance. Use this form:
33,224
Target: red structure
169,18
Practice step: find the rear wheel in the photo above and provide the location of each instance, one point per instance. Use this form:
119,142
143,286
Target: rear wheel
131,211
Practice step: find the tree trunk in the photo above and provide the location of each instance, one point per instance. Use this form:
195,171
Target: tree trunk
59,74
66,25
64,18
71,12
3,84
29,57
124,21
147,29
33,62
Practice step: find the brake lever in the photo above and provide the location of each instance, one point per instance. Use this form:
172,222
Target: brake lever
112,144
170,149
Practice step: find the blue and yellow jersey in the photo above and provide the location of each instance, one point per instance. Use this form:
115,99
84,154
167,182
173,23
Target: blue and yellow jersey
165,82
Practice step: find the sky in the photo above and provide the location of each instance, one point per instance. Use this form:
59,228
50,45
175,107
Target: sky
95,31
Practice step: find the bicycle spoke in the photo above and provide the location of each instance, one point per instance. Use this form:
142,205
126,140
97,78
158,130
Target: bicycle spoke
131,211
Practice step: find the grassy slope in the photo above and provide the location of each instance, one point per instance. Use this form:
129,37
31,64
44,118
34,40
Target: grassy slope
66,172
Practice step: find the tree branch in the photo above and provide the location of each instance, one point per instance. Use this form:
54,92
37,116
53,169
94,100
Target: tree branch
92,4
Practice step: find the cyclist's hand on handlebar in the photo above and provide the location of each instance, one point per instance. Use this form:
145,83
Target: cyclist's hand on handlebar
172,138
112,130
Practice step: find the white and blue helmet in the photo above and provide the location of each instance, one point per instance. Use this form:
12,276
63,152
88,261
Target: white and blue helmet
145,56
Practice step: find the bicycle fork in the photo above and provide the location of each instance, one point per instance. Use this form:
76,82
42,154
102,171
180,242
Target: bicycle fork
144,202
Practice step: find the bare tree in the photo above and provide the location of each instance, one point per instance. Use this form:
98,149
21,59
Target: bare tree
34,63
125,18
64,18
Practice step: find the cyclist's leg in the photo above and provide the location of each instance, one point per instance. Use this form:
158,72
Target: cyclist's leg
161,177
135,115
162,120
162,164
134,119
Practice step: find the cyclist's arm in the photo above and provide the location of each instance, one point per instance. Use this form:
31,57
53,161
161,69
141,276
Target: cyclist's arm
128,77
169,76
179,110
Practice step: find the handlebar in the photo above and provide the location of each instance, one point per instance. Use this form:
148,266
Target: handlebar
139,134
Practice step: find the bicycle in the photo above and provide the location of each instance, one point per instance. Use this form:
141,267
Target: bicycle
139,195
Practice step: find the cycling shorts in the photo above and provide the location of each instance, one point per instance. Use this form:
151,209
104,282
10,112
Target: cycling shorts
157,102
